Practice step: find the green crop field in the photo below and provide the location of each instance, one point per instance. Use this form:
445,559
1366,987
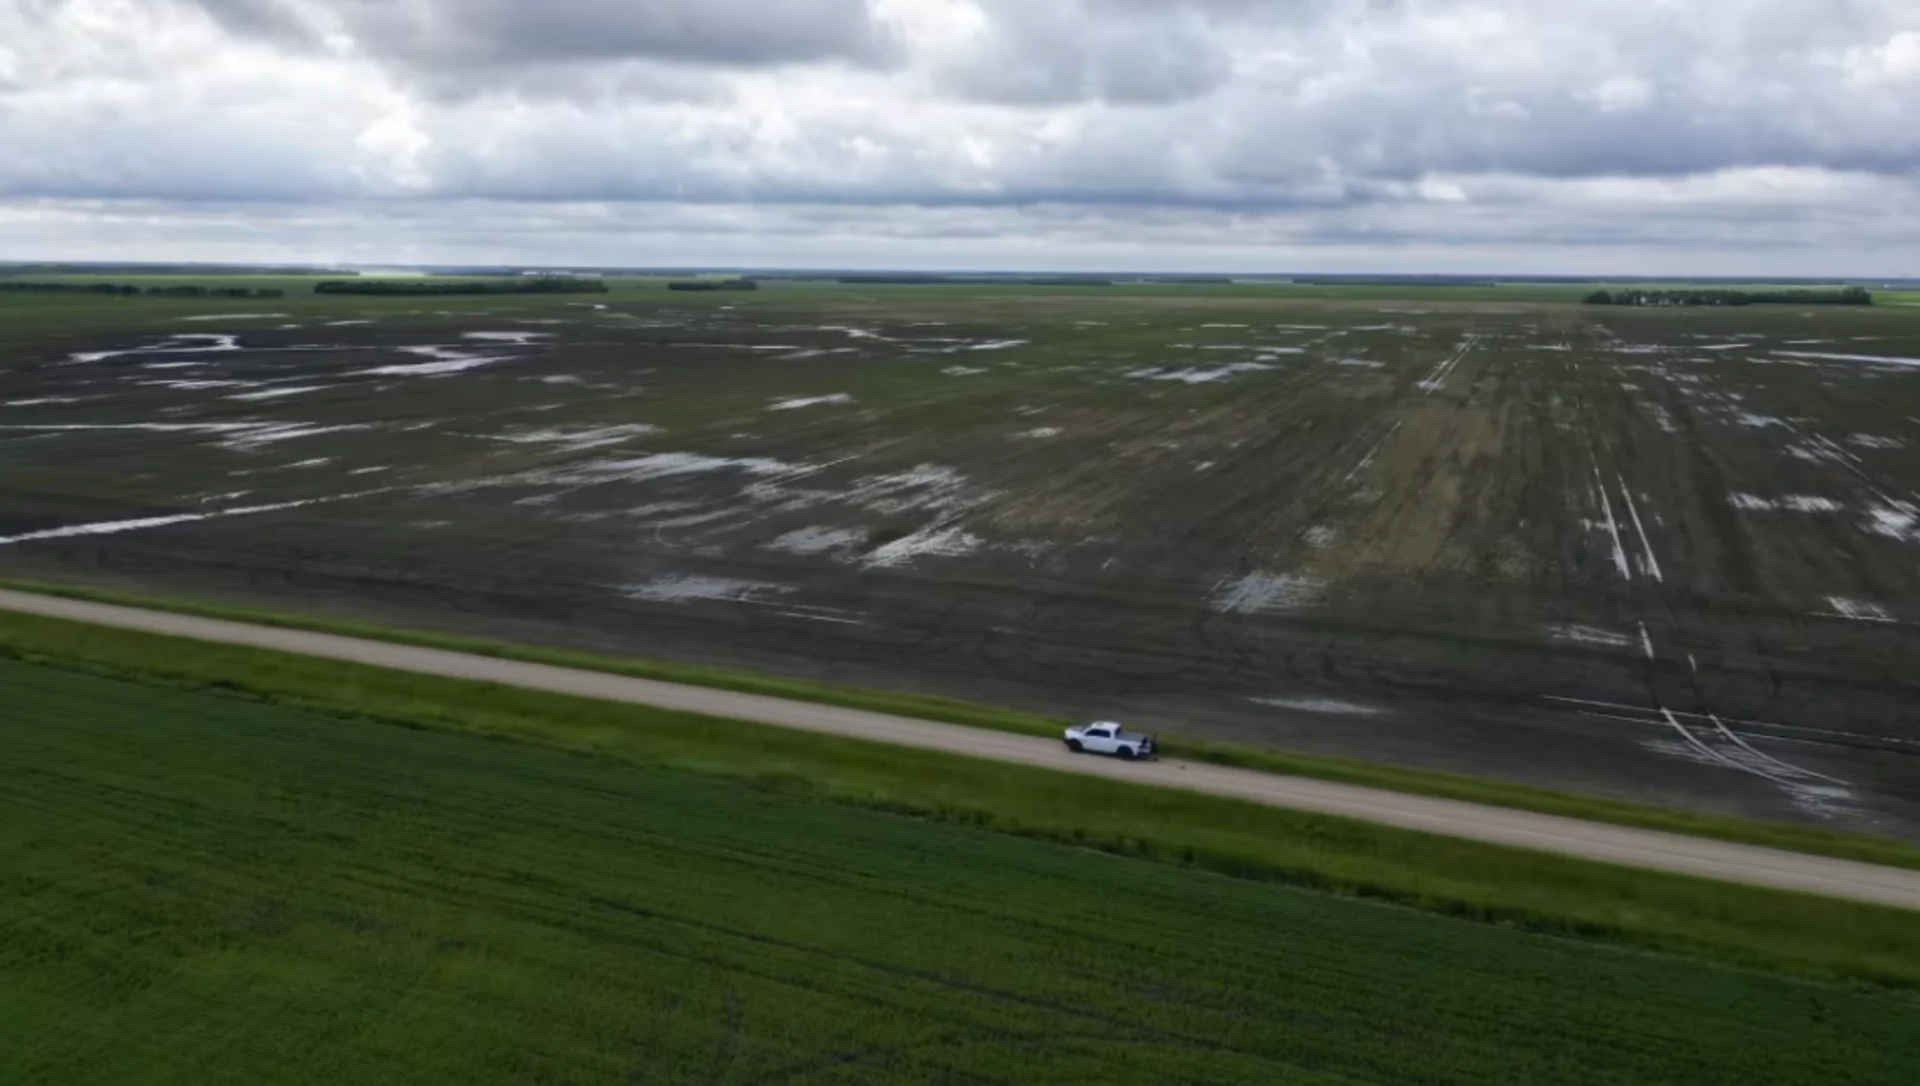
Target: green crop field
200,889
1814,936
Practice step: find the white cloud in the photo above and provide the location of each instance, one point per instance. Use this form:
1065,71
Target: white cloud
1302,126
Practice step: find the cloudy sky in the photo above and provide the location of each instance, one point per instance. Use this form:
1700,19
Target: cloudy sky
1656,136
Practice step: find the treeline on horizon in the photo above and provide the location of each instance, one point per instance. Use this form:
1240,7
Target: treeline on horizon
962,280
1843,296
125,290
545,284
713,284
1390,281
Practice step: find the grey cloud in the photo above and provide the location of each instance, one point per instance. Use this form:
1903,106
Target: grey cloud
279,20
505,33
1545,239
1134,53
1334,122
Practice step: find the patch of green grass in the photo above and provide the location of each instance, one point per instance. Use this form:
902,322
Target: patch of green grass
1535,891
1422,782
202,889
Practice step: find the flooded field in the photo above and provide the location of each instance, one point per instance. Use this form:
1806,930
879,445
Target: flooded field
1666,555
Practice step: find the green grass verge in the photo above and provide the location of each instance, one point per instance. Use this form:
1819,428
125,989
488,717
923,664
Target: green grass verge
1510,886
200,889
1807,839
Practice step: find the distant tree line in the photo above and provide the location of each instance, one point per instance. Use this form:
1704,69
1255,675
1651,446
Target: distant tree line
1845,296
997,280
543,284
214,292
713,284
122,290
1392,281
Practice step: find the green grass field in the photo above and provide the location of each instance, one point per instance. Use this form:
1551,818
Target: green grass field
1538,892
202,889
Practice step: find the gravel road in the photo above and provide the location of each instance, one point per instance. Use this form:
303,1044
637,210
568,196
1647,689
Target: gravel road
1589,840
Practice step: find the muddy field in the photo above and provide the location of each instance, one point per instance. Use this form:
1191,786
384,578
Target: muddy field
1669,556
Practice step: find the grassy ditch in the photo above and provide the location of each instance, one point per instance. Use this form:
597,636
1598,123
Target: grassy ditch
1422,782
1483,882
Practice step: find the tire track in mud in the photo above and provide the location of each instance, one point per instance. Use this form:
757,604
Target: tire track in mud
1711,742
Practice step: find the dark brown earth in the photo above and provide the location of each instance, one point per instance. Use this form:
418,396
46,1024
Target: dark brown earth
1390,536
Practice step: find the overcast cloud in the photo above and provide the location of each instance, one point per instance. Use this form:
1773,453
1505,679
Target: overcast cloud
1667,136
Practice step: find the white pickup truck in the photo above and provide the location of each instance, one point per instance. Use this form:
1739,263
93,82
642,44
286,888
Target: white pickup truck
1106,737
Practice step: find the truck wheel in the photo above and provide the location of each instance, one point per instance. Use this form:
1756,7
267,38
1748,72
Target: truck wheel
1074,746
1126,754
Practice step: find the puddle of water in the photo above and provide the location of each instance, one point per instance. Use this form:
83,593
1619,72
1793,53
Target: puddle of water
1871,441
688,588
855,333
196,386
818,540
239,317
115,527
809,401
1260,592
931,541
181,343
1328,706
277,393
256,435
443,361
1793,503
1197,376
824,614
1858,610
1813,454
148,427
575,440
1895,521
517,339
1591,635
633,470
1879,359
1253,348
926,488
